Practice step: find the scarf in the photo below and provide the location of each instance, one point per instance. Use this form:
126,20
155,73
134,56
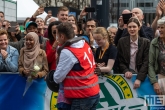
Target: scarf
30,55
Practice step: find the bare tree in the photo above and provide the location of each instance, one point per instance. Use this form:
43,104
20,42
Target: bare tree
68,3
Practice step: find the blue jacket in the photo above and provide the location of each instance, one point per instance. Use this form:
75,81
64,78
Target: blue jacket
10,64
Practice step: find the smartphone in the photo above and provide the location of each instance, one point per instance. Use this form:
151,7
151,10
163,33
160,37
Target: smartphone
13,26
11,29
89,9
126,17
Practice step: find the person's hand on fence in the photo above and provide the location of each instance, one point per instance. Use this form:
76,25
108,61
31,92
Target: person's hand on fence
128,75
136,84
157,89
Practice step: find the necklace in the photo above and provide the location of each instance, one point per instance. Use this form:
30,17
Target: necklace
102,53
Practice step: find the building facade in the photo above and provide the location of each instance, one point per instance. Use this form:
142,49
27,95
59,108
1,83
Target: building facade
78,4
9,8
147,6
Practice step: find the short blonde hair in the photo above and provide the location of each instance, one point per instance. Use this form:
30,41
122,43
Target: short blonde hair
63,8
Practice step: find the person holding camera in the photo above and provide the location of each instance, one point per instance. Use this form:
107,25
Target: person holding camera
145,32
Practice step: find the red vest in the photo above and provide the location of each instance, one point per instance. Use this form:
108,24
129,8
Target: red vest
83,83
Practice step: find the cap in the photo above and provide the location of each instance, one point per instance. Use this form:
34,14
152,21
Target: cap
30,23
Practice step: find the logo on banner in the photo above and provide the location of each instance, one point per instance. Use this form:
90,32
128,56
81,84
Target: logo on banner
116,94
154,100
53,101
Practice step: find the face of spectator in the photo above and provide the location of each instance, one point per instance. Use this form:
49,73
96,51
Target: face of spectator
31,28
60,37
29,40
71,19
3,42
54,31
90,26
40,23
100,40
138,13
13,34
63,16
75,29
113,32
2,17
161,28
133,29
5,25
52,20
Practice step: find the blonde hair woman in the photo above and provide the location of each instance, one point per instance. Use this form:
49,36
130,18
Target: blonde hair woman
106,52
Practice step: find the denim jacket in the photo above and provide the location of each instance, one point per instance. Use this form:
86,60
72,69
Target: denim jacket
10,64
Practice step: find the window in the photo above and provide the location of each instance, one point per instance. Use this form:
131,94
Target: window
145,4
140,4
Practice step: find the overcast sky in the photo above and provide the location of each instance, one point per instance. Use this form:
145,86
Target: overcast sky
26,8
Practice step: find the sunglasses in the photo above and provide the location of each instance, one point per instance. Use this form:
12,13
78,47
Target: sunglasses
54,32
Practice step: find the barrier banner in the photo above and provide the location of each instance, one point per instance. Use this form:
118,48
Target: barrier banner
116,93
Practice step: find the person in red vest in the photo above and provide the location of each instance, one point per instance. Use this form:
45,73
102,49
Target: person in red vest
75,70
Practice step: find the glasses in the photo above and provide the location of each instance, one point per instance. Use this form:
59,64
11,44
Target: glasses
54,32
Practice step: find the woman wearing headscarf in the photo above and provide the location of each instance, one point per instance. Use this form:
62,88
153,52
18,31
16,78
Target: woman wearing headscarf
32,58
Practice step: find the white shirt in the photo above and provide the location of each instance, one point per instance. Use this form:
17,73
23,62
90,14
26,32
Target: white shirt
66,62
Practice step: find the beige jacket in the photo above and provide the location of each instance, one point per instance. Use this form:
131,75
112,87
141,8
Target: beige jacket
40,58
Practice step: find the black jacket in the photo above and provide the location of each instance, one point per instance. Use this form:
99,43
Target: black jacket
142,56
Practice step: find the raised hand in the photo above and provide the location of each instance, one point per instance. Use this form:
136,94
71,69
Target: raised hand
39,11
161,4
159,9
83,13
121,22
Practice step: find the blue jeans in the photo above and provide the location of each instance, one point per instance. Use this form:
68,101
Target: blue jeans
89,103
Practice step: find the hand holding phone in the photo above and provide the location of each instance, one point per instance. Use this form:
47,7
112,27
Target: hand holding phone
89,9
12,27
126,17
